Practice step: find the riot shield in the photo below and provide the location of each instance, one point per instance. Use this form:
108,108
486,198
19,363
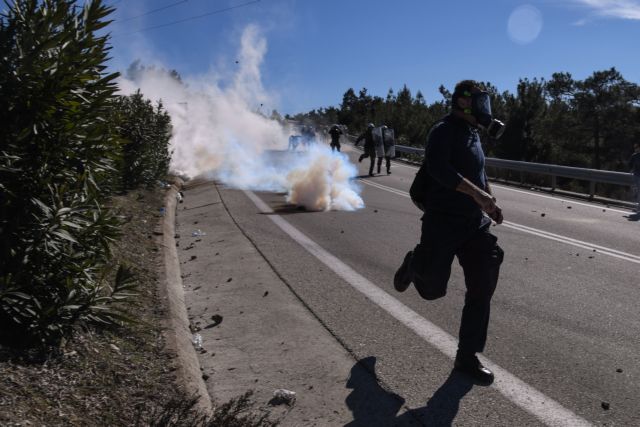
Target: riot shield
378,141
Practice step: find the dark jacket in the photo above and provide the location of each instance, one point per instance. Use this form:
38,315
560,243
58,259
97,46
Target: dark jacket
335,133
453,151
367,136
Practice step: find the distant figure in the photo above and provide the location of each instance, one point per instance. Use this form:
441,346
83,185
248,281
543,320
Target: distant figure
307,135
388,148
335,133
369,147
634,164
294,141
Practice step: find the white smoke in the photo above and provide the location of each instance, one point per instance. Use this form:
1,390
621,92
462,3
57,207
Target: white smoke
219,131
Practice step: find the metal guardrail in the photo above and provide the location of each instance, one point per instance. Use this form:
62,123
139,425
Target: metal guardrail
593,176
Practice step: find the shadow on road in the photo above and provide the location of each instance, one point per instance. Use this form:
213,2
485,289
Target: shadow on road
371,405
367,176
633,217
441,409
289,209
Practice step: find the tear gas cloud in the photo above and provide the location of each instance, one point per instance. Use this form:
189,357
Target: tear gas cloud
218,132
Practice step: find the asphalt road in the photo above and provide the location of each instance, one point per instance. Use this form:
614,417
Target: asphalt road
565,318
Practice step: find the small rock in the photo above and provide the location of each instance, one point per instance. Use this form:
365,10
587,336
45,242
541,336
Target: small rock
605,406
176,236
115,347
265,294
619,370
542,214
205,377
229,279
192,257
217,319
281,396
375,211
568,207
604,210
195,222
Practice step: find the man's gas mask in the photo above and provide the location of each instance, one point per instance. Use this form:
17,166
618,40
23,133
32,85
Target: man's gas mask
481,110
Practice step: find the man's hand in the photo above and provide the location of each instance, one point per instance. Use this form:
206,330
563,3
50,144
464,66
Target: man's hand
488,204
497,215
485,200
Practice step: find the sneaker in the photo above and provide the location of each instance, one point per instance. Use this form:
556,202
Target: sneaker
475,370
402,278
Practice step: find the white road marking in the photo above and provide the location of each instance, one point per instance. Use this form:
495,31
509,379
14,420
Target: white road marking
579,243
517,391
540,233
386,188
544,196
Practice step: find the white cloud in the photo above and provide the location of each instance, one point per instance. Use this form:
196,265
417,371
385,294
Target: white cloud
621,9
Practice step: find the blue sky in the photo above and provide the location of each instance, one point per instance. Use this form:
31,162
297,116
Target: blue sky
316,49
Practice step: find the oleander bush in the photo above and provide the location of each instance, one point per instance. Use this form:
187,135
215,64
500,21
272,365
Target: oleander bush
63,152
146,131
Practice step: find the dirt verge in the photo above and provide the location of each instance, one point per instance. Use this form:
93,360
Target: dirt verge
102,377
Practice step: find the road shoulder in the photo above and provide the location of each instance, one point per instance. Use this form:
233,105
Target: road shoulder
256,334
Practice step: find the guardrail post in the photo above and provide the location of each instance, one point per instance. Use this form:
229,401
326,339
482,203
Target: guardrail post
592,189
554,183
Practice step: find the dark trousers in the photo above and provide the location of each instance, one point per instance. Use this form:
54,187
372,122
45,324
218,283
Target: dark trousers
443,238
388,159
371,153
335,145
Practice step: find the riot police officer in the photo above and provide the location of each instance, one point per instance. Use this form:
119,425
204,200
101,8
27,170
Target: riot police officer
369,146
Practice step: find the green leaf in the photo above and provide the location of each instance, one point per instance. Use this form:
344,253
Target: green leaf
65,235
